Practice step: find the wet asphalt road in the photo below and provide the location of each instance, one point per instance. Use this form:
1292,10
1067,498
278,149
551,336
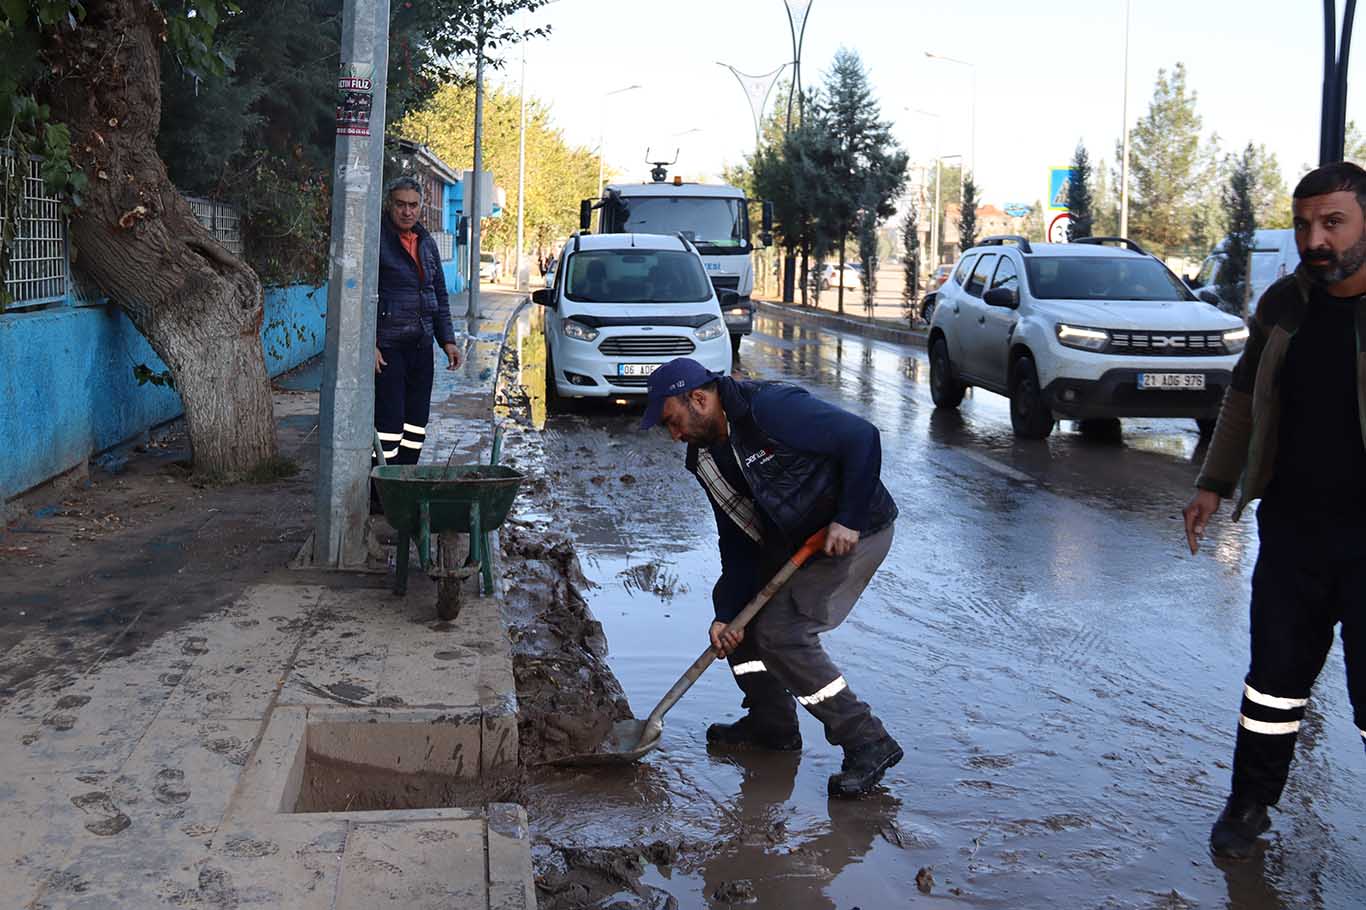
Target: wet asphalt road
1064,676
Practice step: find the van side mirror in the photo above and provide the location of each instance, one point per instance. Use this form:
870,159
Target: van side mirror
1002,297
767,219
1209,297
543,296
765,238
585,214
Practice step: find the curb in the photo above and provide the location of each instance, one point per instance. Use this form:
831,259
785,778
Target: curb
846,324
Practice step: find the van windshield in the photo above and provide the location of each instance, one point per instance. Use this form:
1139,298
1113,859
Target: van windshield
636,276
1102,278
706,221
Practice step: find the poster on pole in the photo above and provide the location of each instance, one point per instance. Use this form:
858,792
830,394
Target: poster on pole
355,98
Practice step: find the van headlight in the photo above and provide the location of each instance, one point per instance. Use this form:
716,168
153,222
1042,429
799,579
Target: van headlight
579,331
1236,340
1082,338
711,331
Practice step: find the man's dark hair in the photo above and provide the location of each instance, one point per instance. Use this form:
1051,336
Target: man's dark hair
1339,177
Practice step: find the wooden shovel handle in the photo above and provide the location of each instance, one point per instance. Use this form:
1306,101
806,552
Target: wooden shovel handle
813,545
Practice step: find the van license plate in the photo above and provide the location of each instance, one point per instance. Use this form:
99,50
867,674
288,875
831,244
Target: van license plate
1186,382
636,369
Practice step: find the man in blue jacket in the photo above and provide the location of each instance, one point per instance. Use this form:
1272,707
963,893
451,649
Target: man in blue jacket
777,466
412,308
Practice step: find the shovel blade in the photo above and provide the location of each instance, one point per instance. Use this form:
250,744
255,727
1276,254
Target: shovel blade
628,742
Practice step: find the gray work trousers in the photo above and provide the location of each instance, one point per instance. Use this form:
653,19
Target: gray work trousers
781,662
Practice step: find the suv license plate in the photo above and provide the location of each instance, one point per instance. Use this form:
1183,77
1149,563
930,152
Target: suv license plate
1189,382
643,369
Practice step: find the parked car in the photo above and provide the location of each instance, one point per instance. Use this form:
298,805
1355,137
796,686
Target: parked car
1098,329
829,277
490,268
937,279
621,305
1274,254
940,274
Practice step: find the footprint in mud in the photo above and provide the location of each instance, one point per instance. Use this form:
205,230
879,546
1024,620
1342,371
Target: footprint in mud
243,847
29,739
194,646
170,788
229,746
991,761
169,679
246,623
111,820
68,702
60,721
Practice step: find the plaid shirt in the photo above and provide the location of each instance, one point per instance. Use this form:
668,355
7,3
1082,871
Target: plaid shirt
739,507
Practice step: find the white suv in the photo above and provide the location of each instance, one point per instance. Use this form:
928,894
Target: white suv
1093,329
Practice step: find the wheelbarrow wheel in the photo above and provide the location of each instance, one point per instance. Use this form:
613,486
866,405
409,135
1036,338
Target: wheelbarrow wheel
449,597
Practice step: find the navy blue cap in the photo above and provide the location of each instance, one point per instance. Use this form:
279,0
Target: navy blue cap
673,378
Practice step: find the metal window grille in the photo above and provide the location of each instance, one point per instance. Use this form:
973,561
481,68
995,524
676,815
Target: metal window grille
39,272
221,220
445,242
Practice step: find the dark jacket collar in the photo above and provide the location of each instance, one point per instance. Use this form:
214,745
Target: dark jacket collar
734,401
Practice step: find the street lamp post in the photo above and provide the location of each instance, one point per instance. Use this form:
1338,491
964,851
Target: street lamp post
602,133
1124,159
934,218
972,145
521,176
934,225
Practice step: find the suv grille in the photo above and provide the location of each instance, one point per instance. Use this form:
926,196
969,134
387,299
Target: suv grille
628,382
1168,344
647,346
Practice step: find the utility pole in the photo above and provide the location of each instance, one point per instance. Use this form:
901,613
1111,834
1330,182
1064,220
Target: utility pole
346,418
1333,113
472,201
521,174
1124,159
797,13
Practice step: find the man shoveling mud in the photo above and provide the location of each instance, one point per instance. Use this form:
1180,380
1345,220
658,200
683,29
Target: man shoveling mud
779,465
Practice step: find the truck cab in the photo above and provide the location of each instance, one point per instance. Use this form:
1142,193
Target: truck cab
712,217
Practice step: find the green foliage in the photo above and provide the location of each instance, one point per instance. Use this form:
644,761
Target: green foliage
558,175
1239,209
145,375
1079,200
868,244
1168,168
910,257
967,216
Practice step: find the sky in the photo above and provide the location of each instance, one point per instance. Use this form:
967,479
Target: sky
1048,73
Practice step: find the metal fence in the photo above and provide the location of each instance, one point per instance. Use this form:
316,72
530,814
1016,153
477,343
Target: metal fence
222,221
445,242
39,272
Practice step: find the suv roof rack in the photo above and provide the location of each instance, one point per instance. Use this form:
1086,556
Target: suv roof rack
1100,241
1000,240
577,235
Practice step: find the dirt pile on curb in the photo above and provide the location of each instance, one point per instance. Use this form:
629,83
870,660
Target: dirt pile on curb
567,696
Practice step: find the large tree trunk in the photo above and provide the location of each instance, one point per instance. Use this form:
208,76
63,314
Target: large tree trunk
137,239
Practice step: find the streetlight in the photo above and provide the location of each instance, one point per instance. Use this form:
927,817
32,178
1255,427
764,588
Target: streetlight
938,179
1124,158
972,147
602,134
934,218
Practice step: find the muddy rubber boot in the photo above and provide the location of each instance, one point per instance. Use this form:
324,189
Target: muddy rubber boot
746,734
1235,832
864,766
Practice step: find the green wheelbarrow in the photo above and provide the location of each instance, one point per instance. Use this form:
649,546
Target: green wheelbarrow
433,503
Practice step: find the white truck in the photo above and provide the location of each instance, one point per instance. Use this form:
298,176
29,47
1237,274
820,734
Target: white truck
713,217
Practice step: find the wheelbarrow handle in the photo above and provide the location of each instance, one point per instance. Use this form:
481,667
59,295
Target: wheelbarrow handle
654,723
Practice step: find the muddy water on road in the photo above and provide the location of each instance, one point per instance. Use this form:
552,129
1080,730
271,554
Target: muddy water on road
1063,676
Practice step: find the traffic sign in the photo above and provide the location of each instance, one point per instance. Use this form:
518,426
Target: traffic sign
1058,179
1057,228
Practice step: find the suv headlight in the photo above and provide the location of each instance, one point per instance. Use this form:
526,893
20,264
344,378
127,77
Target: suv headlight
1082,338
1236,340
710,331
579,331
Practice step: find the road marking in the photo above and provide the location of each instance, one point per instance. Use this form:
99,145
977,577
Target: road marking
993,465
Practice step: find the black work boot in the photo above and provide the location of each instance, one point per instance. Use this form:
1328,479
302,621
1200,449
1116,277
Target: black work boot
864,766
1235,832
746,734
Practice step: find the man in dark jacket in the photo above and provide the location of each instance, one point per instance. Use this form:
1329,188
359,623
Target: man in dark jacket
412,307
1293,428
777,466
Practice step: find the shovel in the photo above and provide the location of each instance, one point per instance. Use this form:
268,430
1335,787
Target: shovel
631,739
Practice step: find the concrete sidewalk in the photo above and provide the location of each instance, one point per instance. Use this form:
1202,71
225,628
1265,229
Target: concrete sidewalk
318,743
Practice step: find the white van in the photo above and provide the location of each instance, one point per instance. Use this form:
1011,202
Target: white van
620,306
1274,255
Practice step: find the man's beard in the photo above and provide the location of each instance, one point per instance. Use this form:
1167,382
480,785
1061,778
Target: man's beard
698,432
1326,268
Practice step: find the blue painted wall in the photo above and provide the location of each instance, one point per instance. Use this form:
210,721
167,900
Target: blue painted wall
67,389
